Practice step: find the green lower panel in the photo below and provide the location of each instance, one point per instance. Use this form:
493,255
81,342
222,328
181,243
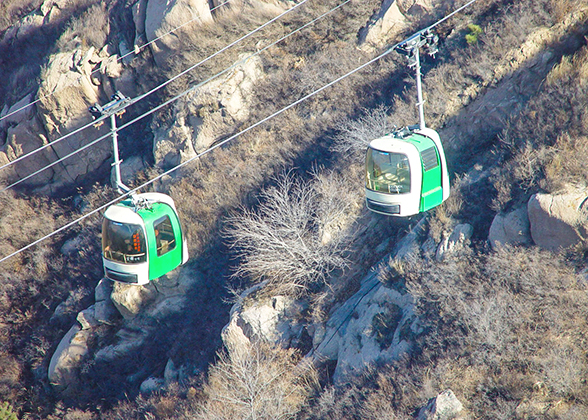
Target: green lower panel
431,199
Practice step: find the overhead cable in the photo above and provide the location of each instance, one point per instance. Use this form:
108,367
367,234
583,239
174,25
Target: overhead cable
169,101
281,111
155,89
135,51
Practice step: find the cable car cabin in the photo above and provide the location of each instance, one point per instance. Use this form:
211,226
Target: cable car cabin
406,173
142,239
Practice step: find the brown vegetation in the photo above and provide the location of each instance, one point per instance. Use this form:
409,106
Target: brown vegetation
297,234
503,329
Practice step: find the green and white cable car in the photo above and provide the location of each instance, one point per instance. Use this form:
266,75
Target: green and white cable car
142,239
406,171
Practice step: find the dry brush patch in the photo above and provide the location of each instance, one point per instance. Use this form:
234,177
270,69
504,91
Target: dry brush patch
297,234
257,382
514,315
544,147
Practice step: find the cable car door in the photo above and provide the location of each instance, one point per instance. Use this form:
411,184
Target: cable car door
432,190
164,240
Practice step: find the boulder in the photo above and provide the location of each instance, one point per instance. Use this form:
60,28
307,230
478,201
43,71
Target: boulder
65,363
21,139
386,23
558,221
129,341
510,229
208,114
139,14
87,319
457,241
104,310
276,320
171,373
130,299
444,406
163,16
391,20
374,325
21,111
151,385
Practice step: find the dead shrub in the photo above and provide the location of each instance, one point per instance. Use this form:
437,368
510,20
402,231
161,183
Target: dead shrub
296,236
257,382
355,135
511,313
446,215
90,29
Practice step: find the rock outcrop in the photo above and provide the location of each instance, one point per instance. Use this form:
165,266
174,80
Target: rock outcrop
162,16
444,406
558,221
132,313
66,361
392,18
510,229
207,114
374,325
276,320
72,81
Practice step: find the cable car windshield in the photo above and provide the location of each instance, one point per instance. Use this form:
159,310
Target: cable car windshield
123,242
387,172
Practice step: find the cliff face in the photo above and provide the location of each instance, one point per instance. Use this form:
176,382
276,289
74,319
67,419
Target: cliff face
417,305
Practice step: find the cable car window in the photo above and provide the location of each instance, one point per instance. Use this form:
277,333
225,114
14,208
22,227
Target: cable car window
164,235
429,158
387,172
123,242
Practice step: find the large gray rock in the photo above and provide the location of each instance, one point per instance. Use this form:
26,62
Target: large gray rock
71,82
392,18
128,343
374,325
275,320
208,114
130,299
162,16
558,221
510,229
444,406
65,363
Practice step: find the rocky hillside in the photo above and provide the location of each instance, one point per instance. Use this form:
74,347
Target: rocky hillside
297,302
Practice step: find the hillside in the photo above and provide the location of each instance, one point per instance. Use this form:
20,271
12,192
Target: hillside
297,302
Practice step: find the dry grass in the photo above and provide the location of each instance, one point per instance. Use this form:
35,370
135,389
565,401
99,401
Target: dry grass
545,146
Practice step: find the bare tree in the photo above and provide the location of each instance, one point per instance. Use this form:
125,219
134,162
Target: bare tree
292,239
355,134
257,382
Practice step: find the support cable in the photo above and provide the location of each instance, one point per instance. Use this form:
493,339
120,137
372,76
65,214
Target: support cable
169,101
155,89
281,111
136,51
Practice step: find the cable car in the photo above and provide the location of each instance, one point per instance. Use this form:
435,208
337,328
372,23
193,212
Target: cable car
142,239
406,172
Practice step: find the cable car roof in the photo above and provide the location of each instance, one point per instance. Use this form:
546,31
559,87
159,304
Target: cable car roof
126,211
395,143
122,214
